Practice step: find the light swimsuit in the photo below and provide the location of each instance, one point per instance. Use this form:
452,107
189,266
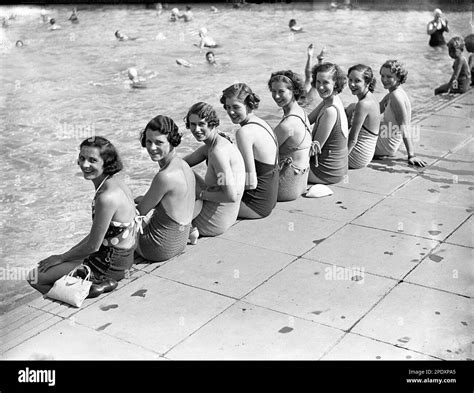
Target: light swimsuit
293,179
363,151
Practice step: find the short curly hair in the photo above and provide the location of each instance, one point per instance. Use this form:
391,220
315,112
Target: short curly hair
204,111
457,43
396,68
292,80
367,74
336,72
243,93
164,125
108,153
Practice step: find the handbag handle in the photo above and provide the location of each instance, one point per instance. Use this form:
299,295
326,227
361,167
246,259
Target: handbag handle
82,265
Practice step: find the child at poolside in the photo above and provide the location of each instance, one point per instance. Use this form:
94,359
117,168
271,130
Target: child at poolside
328,162
461,77
364,117
396,109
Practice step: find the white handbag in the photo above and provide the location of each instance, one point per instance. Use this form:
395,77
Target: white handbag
70,289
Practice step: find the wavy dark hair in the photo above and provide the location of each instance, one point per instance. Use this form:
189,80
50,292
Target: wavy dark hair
396,68
204,111
108,153
164,125
367,74
293,81
336,72
243,93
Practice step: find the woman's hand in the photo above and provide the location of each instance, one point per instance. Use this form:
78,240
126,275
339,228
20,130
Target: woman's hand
49,262
310,50
415,161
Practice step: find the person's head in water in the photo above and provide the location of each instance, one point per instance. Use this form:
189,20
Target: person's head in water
202,32
19,43
210,57
52,21
292,23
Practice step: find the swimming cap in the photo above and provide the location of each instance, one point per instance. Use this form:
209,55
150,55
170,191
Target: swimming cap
132,73
437,11
203,30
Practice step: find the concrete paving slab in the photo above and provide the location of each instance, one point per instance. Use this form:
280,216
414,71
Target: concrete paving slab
381,176
455,125
454,167
13,315
247,332
330,295
153,312
380,252
230,273
414,217
291,232
16,335
463,236
449,268
457,110
465,150
424,320
70,341
439,190
434,143
344,205
355,347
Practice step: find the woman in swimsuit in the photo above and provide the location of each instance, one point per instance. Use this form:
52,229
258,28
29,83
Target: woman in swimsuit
108,248
293,134
223,185
328,162
259,147
436,28
364,118
396,109
170,197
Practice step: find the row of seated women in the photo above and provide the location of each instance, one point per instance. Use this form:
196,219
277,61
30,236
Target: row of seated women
243,179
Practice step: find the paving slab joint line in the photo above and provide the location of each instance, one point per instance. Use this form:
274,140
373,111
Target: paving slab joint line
396,345
334,345
435,289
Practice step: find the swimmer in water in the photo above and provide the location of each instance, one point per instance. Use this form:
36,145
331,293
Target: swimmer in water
293,27
175,15
206,41
53,26
210,57
123,37
184,63
188,15
214,10
73,18
19,43
44,17
135,81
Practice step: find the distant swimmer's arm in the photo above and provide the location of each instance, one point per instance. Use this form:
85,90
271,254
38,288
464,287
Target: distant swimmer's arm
158,189
196,157
307,69
244,143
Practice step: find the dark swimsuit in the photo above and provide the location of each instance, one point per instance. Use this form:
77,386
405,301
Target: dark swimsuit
263,199
437,38
110,261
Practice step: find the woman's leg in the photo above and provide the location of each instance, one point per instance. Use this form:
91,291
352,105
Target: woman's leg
44,281
247,212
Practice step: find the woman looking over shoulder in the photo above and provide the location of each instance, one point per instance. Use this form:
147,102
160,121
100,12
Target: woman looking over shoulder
328,162
170,196
259,147
222,187
293,134
364,118
396,109
109,246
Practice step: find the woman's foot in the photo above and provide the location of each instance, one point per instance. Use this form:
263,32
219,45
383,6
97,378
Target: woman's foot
193,236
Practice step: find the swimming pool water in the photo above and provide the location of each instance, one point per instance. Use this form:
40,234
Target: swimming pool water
65,85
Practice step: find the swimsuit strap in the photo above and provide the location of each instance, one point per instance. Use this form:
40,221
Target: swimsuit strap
95,194
370,132
270,133
305,125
